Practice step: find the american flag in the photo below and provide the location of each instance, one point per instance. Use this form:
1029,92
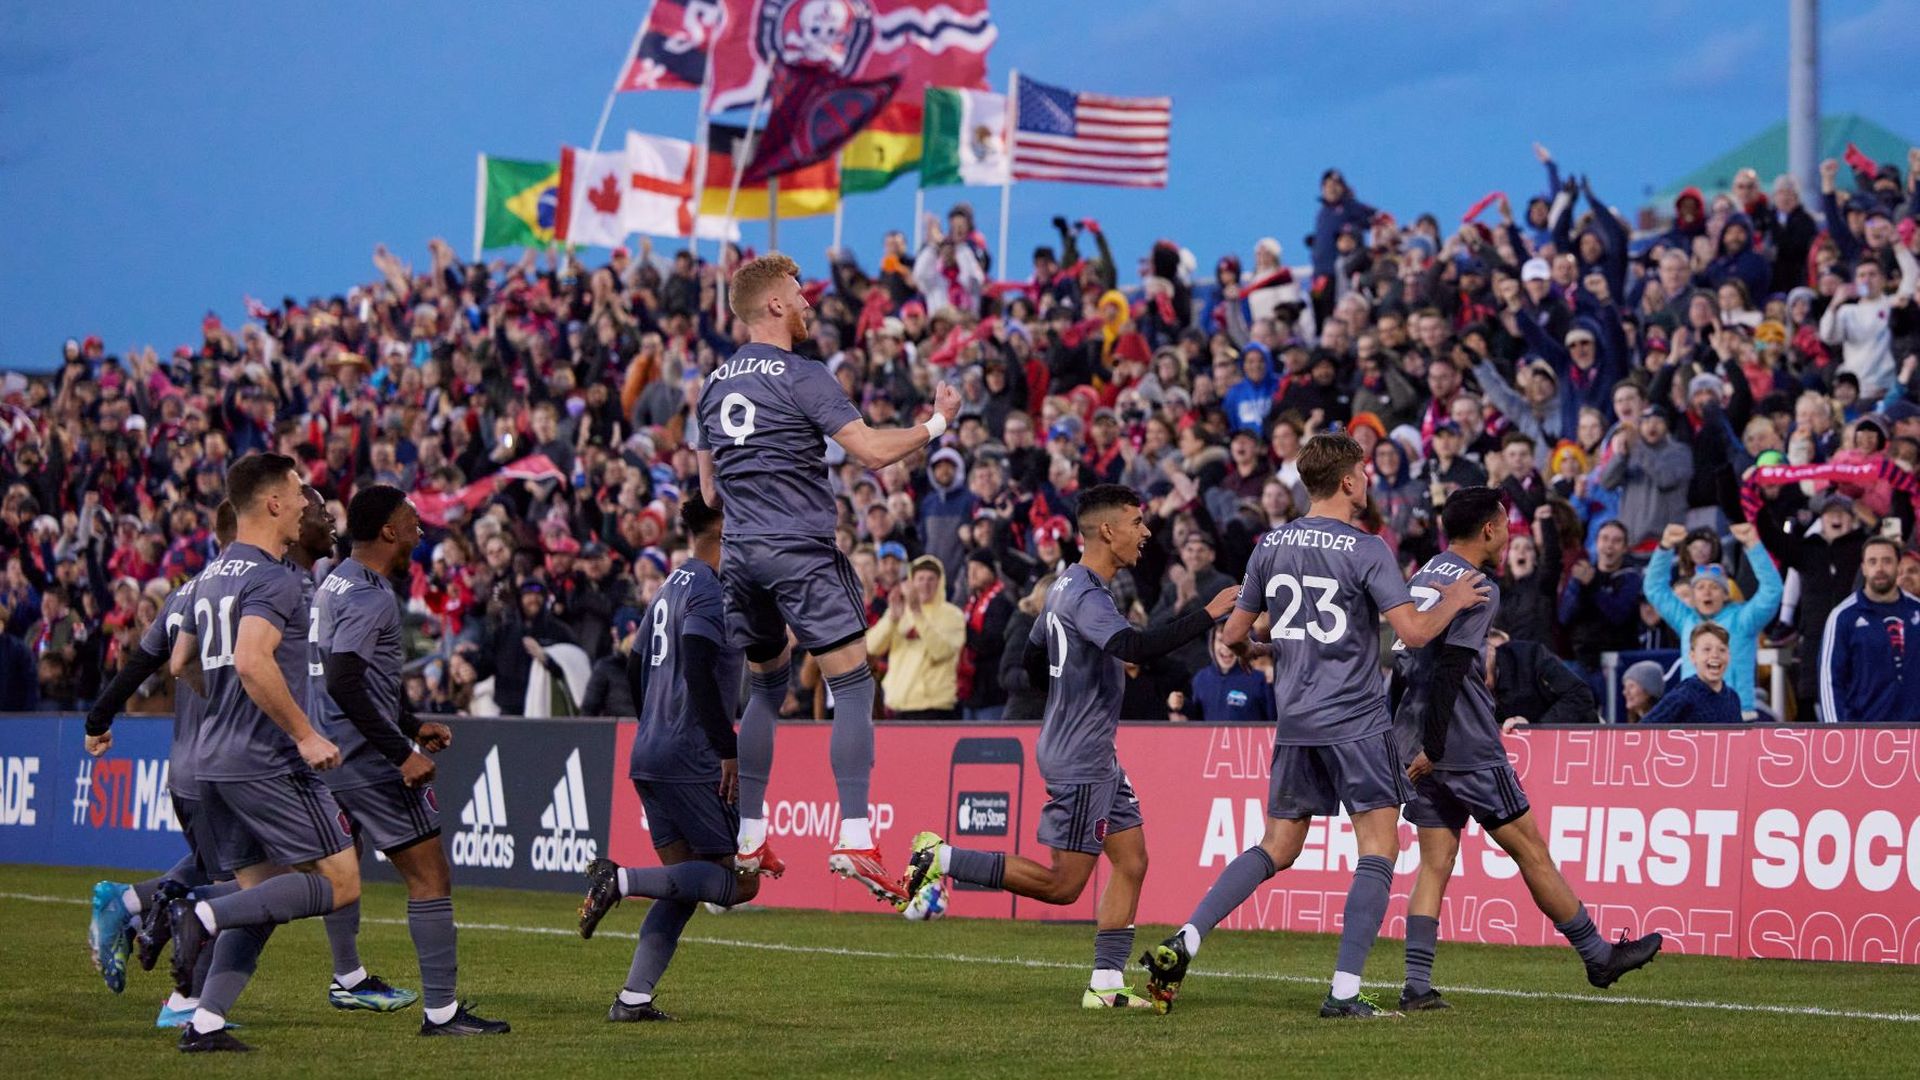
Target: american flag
1090,138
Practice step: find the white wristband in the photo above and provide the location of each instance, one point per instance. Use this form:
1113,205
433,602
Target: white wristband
936,427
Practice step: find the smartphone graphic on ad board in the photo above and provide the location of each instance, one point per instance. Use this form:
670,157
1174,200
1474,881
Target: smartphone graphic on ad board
984,812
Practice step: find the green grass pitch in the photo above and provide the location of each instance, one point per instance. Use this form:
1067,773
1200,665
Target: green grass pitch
771,993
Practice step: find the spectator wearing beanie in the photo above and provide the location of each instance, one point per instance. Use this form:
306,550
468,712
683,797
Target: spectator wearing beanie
1641,687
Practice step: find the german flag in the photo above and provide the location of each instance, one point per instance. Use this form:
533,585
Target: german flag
805,192
886,149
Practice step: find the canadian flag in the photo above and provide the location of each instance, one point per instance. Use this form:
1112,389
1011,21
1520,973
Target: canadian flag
662,192
592,190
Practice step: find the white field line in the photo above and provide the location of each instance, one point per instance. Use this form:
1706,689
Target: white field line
1055,965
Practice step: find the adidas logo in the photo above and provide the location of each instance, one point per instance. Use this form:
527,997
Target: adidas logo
483,839
563,849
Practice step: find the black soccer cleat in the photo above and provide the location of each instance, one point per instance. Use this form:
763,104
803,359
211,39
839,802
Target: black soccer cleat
463,1022
622,1013
156,929
217,1041
189,937
603,894
1166,965
1628,955
1427,1000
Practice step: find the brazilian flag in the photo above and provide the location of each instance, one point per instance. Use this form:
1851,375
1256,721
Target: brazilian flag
516,202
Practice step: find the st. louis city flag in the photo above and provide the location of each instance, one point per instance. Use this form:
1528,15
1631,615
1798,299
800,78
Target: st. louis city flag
592,190
518,200
964,138
887,148
925,42
672,52
814,113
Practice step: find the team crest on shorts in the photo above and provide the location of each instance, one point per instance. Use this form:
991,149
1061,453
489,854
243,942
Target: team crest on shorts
1100,830
346,824
427,796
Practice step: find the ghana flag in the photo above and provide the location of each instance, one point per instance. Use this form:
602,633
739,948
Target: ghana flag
515,203
887,148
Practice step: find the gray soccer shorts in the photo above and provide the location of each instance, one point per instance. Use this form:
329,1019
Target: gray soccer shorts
800,582
1445,800
1080,817
286,820
694,813
201,841
1313,781
390,815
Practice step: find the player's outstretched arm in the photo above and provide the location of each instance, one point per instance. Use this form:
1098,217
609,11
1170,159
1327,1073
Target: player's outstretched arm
260,677
877,448
1137,646
1417,628
138,666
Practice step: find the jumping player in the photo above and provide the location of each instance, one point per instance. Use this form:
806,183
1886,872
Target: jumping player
1450,738
764,418
1325,585
1083,643
685,768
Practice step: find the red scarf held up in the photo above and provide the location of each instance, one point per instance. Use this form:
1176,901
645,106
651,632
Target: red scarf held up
976,612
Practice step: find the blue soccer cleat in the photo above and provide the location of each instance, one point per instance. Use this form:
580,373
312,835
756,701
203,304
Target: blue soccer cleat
373,994
108,937
171,1017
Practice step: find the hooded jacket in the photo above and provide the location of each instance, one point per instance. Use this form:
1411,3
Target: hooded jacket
922,647
944,509
1743,264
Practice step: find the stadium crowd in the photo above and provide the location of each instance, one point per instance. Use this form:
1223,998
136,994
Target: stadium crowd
1710,422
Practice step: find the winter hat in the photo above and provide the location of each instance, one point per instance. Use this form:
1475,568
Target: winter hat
1536,270
1648,676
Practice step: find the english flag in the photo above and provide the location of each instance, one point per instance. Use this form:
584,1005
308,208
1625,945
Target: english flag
661,193
592,192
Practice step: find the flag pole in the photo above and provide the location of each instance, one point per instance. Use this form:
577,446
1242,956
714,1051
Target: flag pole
919,212
745,150
1006,187
773,213
840,199
479,204
619,77
701,138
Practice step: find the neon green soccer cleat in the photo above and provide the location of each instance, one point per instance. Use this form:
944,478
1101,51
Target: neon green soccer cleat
1126,997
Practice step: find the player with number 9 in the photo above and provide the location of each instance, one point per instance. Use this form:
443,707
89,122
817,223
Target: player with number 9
764,420
1325,584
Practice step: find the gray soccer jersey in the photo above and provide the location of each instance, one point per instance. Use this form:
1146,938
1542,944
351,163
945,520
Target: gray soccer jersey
1324,584
1473,733
766,415
670,746
183,777
355,611
236,740
1085,684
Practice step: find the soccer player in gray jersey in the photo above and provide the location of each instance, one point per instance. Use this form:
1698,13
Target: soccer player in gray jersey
1325,585
383,783
764,418
1083,644
684,766
115,905
277,826
353,987
1450,739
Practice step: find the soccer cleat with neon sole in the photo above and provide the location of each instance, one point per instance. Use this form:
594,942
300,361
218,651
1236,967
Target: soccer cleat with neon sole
864,865
108,934
1357,1007
373,994
1166,965
603,894
923,865
1125,997
760,860
1628,955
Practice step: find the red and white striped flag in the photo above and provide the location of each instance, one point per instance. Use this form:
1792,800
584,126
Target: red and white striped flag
1090,138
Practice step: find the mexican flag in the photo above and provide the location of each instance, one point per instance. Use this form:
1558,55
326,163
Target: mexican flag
515,203
963,138
887,148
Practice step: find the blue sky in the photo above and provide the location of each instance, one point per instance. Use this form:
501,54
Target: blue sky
162,160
